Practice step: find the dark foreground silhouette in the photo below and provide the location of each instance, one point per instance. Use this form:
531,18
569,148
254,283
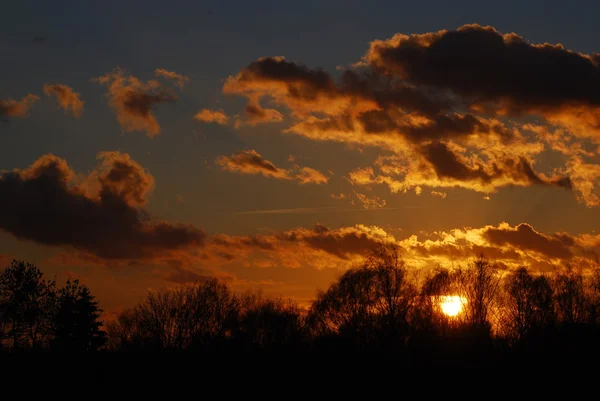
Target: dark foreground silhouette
375,310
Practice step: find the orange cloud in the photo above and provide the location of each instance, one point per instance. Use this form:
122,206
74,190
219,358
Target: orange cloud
370,203
67,99
181,80
326,248
212,116
133,101
439,165
455,109
309,175
121,175
17,108
258,115
297,87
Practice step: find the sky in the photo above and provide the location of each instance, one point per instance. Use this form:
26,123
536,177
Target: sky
147,144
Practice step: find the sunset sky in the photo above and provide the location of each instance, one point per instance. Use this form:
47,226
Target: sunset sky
145,144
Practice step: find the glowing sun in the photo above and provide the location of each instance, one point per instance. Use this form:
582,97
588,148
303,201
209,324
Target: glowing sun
452,305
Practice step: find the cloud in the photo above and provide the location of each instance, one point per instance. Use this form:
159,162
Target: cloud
309,175
370,203
496,72
120,175
439,194
523,236
67,99
258,115
212,116
251,162
133,101
181,80
291,247
343,242
17,108
451,166
439,166
339,196
306,91
585,178
471,108
323,247
100,214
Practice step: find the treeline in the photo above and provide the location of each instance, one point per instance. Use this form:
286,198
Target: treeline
379,305
37,315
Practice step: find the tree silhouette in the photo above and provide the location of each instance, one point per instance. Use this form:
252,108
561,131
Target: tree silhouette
77,324
27,306
528,305
478,284
270,323
429,320
594,295
367,304
569,295
191,316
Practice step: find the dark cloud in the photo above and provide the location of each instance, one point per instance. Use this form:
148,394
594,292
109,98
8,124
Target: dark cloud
251,162
258,115
448,165
342,243
483,64
304,90
101,216
525,237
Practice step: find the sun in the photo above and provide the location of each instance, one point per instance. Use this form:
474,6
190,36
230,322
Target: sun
451,305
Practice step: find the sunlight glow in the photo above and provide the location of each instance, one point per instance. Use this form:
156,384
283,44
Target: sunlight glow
452,305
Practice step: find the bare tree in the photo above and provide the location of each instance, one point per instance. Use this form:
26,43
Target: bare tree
267,323
594,295
569,296
478,284
368,303
430,319
190,316
528,305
